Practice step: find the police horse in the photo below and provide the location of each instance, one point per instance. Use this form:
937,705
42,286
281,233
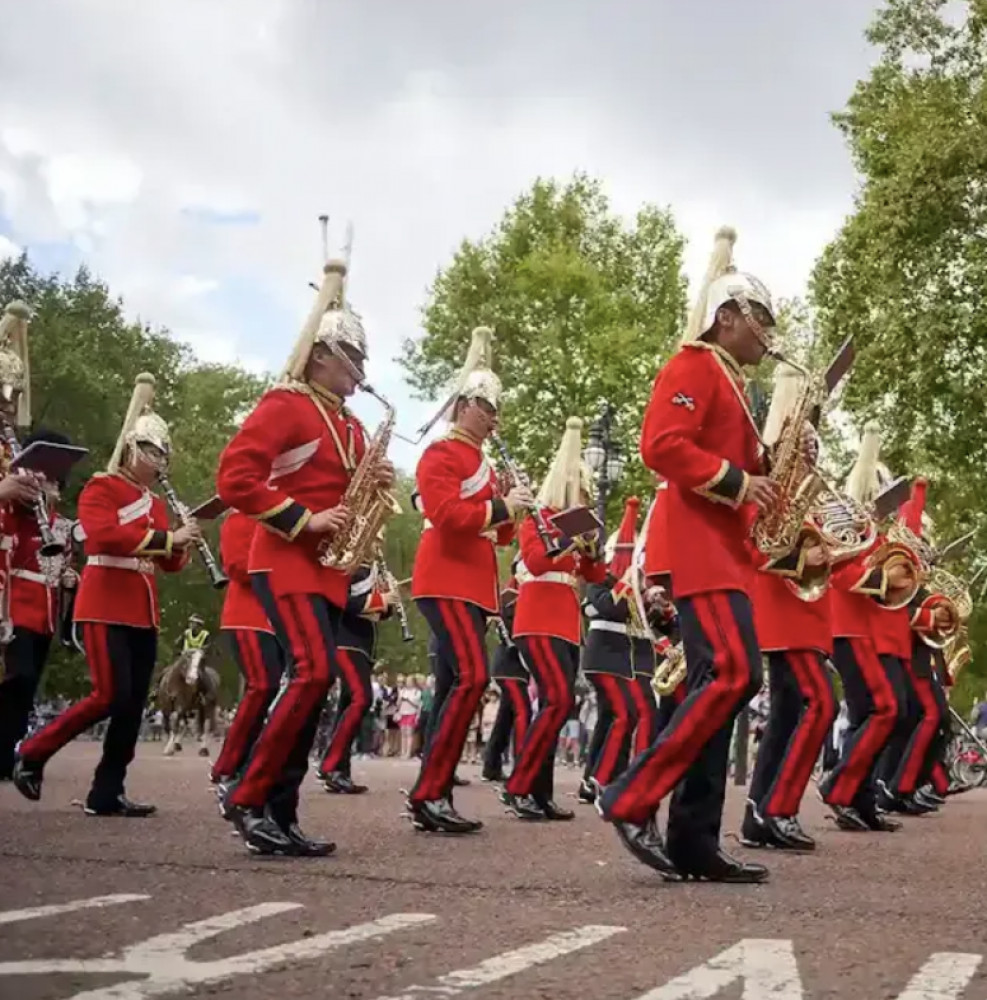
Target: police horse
189,688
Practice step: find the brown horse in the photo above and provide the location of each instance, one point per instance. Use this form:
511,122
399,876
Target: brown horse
189,687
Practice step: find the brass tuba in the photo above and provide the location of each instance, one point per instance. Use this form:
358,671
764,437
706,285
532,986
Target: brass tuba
369,506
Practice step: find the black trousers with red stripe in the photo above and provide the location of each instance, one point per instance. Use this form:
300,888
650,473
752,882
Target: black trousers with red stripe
459,629
691,754
934,769
121,663
260,660
907,715
616,719
306,626
513,719
23,664
913,766
646,706
872,711
355,700
553,664
803,710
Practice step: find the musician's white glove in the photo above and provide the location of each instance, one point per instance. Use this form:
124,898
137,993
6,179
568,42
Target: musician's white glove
187,534
70,579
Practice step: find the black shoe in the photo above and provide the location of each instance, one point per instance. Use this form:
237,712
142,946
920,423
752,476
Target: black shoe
497,777
647,846
720,867
459,782
921,803
847,818
259,831
306,847
801,835
931,795
28,778
223,789
586,794
523,806
781,833
878,822
553,811
121,807
438,816
337,783
753,833
930,803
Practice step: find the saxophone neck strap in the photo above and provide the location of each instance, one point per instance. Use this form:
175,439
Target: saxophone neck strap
347,454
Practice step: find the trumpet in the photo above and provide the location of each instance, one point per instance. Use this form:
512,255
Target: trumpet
535,511
216,576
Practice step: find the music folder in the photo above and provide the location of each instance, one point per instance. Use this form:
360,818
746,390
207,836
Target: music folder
53,461
576,521
209,510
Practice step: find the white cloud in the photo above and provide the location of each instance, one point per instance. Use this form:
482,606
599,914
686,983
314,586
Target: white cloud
8,248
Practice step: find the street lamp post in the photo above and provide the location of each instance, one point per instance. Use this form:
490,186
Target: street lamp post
604,458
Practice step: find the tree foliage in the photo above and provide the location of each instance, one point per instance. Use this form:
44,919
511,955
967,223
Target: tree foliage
583,307
906,271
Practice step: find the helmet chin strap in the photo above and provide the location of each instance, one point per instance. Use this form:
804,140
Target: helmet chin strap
766,341
351,369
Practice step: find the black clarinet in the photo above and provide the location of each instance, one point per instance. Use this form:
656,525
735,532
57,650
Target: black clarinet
535,512
51,545
399,608
216,576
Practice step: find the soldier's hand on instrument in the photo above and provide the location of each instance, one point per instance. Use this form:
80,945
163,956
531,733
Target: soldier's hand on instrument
943,617
761,491
70,578
386,474
901,575
810,443
21,488
327,522
816,555
519,498
187,534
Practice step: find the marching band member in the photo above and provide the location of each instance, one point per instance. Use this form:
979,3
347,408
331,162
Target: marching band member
368,603
873,583
511,675
699,434
796,635
455,580
35,583
127,537
547,627
608,661
288,468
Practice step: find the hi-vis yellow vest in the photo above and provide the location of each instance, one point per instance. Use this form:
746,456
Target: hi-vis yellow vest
194,640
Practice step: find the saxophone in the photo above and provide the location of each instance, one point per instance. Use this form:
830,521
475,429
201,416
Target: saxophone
369,506
778,530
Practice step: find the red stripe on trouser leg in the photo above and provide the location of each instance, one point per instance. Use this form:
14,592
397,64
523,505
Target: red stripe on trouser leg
258,693
553,707
921,739
635,796
349,724
460,705
647,712
308,683
517,692
856,761
95,707
619,730
815,720
940,779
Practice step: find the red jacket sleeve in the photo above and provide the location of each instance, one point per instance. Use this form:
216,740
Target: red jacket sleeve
98,511
673,420
592,571
439,478
245,467
533,552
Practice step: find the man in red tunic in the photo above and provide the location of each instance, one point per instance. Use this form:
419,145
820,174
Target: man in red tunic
288,468
455,581
127,536
699,434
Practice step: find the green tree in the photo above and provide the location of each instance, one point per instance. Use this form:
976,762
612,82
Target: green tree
904,273
584,308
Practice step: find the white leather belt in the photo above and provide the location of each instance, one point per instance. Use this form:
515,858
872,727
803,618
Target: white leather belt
490,534
122,562
601,625
30,574
568,579
6,543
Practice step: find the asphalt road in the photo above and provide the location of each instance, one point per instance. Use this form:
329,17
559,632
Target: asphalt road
110,909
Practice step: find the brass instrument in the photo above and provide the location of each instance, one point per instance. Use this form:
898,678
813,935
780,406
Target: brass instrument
844,525
780,529
959,604
671,672
216,576
901,534
395,594
957,652
369,506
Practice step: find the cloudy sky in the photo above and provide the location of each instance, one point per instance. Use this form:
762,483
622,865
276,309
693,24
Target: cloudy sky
184,148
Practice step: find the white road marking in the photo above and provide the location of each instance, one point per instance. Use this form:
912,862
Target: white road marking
766,967
161,959
943,977
510,963
54,909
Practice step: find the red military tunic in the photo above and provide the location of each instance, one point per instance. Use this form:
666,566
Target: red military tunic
656,554
699,434
892,632
33,596
465,518
126,535
784,621
241,609
548,595
293,457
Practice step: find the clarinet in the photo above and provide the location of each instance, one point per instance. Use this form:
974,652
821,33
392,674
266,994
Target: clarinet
552,547
399,608
216,576
502,633
51,545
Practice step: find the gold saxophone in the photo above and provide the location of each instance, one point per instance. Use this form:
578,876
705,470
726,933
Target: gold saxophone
778,530
671,672
369,506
